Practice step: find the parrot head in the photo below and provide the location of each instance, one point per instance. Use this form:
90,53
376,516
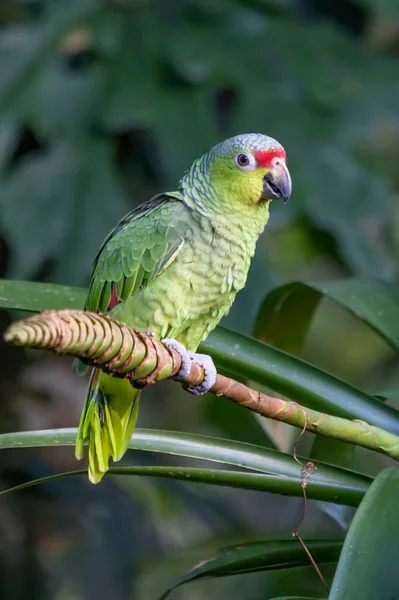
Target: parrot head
248,169
252,168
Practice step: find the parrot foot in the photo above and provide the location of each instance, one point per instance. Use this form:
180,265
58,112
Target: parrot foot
210,373
186,360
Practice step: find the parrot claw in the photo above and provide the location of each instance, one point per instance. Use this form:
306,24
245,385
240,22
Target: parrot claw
186,359
210,373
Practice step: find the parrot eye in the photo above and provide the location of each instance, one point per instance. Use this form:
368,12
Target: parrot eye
244,161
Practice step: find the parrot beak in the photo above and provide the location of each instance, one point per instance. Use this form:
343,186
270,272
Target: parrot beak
277,182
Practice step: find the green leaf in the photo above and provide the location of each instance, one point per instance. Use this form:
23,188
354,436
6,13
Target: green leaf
391,393
17,68
259,556
328,483
287,486
285,317
154,102
332,451
247,301
368,567
384,8
61,100
36,297
287,311
347,220
293,598
69,190
227,419
8,139
338,453
240,356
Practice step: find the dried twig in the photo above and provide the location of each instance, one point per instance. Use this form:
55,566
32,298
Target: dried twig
306,471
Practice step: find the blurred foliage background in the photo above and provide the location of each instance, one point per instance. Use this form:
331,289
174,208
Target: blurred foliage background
105,103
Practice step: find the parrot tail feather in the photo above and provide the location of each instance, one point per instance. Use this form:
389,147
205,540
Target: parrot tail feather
107,421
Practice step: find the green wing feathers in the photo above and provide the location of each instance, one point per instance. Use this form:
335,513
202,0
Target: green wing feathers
107,421
140,247
137,250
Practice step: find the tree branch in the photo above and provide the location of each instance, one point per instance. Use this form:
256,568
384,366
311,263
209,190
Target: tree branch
118,349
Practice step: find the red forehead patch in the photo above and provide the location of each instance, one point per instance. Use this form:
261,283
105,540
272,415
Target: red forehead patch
264,158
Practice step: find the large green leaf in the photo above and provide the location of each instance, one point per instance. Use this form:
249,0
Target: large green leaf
259,556
69,188
168,119
226,419
328,483
368,567
36,297
62,100
332,451
19,66
286,307
286,486
285,317
338,453
241,356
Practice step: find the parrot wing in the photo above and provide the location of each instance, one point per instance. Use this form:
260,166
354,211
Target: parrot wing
143,244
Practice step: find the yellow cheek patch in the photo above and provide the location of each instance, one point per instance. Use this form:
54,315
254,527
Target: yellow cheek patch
236,185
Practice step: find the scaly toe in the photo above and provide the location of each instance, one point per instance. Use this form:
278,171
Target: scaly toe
185,367
210,372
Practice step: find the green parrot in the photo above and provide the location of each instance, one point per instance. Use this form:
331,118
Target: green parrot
172,267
